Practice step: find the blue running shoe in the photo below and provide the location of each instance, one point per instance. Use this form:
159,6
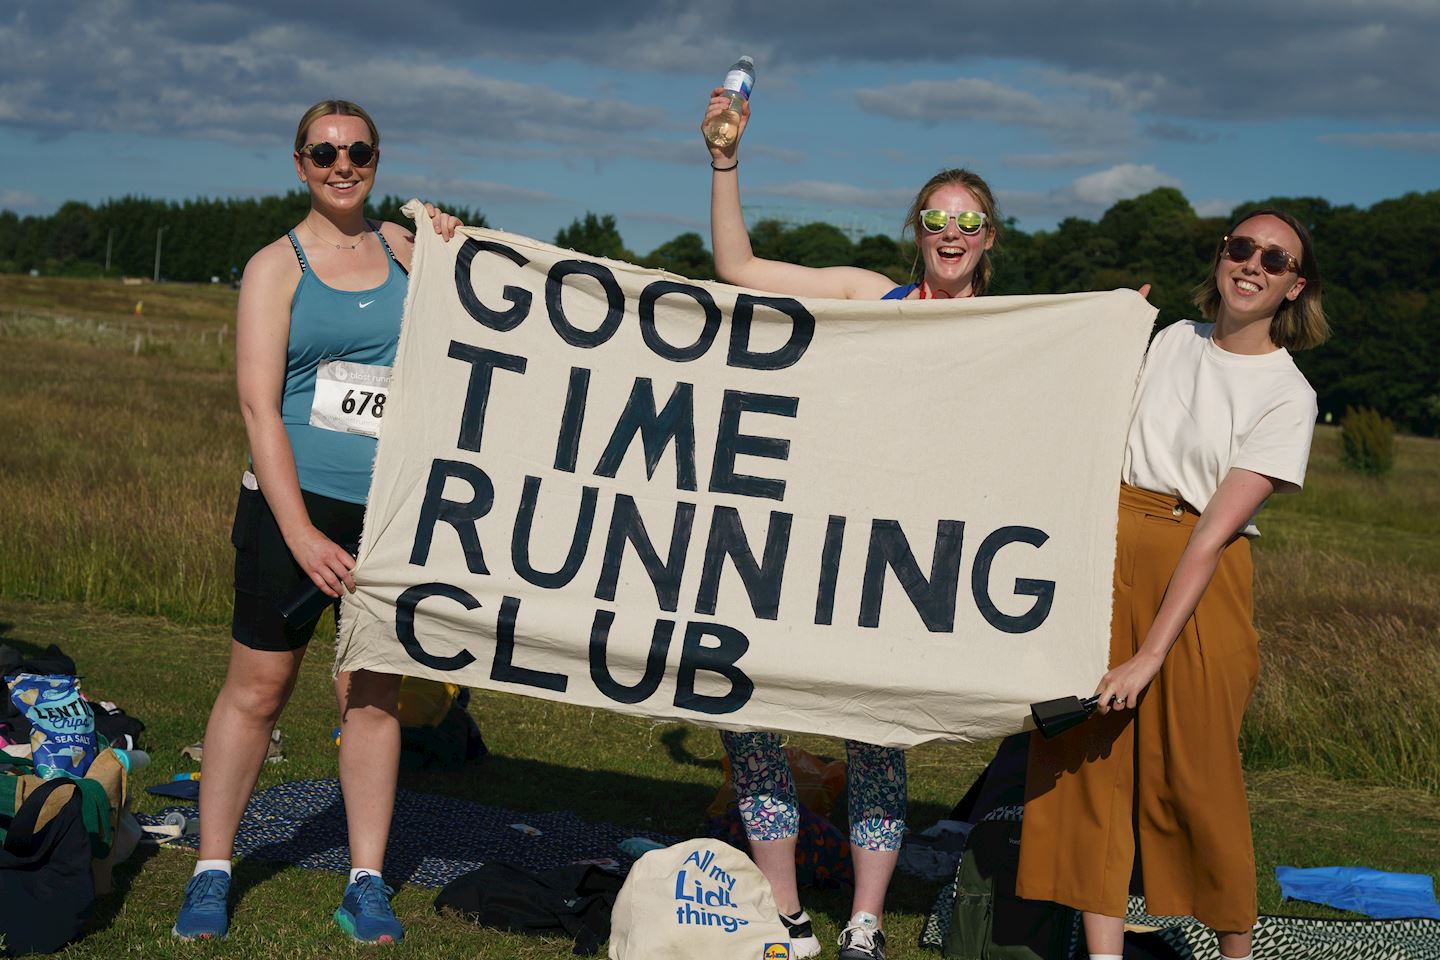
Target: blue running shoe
205,914
365,912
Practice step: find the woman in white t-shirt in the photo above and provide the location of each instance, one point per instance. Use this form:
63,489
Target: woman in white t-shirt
1221,420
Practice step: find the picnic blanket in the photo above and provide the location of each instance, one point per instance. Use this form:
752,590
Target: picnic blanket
1276,938
433,839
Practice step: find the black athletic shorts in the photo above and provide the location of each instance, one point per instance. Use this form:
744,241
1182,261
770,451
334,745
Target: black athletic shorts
266,575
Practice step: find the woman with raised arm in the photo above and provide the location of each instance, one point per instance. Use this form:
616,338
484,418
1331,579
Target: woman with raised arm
319,317
954,223
1221,420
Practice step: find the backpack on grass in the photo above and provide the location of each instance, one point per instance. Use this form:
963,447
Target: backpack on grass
988,921
46,885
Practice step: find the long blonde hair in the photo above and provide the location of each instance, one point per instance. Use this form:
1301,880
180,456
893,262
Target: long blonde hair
985,269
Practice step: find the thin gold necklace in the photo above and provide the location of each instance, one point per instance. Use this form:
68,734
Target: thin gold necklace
337,246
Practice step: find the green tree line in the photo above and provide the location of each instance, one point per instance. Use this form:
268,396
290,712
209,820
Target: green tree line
1380,266
202,238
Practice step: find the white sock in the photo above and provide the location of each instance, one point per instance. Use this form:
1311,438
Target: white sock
202,865
355,873
1248,956
863,919
1106,956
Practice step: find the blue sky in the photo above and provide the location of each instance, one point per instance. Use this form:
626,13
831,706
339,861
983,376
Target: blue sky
536,113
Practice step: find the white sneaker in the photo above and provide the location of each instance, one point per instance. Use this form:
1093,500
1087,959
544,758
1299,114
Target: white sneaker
862,939
803,942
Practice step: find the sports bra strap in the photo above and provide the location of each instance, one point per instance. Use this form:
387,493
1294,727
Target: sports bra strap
300,254
391,253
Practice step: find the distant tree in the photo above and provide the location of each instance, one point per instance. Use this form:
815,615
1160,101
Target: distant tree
388,208
1129,222
685,255
1381,266
882,254
597,236
769,240
1367,441
1012,254
819,245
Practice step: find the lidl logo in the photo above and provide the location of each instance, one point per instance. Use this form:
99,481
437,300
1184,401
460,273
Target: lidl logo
777,951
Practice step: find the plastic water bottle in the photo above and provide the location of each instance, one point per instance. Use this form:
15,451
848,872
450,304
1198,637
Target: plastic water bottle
739,81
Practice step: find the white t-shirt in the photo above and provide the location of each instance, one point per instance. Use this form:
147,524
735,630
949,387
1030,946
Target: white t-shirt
1200,410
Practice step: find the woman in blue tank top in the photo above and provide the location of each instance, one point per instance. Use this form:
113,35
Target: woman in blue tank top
954,223
316,331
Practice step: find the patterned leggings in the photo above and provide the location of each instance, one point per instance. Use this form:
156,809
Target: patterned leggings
765,790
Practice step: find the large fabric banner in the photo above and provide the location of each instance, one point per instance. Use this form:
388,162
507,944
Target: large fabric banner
891,521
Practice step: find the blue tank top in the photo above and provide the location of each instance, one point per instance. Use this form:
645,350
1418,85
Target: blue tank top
900,293
359,326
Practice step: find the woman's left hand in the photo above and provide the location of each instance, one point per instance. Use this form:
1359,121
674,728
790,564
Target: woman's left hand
1120,689
444,223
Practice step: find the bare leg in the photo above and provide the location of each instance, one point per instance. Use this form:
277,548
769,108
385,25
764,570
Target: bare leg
257,686
1104,934
369,761
1234,944
873,869
776,860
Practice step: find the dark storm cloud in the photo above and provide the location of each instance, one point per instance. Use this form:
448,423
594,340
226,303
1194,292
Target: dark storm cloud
1224,60
241,71
211,72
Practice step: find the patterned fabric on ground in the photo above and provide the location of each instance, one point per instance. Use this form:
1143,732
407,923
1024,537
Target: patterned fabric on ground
433,839
1276,938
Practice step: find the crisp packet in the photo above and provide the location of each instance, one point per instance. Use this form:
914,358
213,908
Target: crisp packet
62,727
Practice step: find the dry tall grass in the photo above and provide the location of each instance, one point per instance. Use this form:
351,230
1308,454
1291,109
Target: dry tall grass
118,473
118,470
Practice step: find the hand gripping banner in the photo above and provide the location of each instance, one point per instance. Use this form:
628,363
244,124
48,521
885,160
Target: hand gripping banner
885,520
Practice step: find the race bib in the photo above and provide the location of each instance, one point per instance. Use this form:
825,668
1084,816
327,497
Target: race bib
350,397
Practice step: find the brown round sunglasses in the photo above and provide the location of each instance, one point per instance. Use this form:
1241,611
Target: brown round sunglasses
325,154
1276,261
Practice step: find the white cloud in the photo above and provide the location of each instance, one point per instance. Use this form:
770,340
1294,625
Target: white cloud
1086,196
19,201
1120,182
1063,116
1217,207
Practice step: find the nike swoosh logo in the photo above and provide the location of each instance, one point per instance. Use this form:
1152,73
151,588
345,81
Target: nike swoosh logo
365,303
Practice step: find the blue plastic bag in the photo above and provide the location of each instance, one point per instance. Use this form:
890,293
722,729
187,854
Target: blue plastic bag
1375,893
62,727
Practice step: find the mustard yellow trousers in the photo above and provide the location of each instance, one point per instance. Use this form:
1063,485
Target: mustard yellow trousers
1166,775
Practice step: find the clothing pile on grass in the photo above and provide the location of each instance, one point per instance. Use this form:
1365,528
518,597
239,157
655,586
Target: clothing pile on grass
64,802
976,916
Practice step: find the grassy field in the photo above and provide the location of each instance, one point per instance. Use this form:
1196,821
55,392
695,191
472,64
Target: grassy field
117,475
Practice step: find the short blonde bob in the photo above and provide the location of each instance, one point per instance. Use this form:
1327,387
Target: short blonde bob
1298,324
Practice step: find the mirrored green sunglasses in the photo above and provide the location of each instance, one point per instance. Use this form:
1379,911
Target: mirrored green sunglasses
969,222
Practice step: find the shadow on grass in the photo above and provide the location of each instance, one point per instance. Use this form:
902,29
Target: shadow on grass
675,745
108,905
